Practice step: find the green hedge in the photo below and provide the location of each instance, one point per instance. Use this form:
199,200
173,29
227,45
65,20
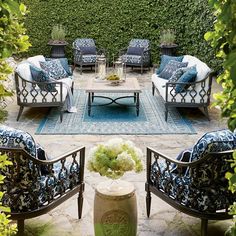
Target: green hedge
113,23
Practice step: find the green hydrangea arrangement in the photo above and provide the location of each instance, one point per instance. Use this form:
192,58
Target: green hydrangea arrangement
114,157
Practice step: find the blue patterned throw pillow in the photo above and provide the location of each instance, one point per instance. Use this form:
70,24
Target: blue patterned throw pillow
216,141
164,61
187,77
89,50
170,68
138,51
39,75
64,63
54,69
177,74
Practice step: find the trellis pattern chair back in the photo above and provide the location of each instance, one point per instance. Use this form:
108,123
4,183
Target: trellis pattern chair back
85,52
137,53
194,184
34,185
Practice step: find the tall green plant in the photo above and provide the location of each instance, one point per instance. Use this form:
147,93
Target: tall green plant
6,228
12,38
223,39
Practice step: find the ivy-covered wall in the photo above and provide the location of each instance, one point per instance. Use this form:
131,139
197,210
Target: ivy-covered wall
114,23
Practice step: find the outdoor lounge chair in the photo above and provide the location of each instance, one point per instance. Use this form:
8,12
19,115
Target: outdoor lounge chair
195,182
137,54
85,52
35,185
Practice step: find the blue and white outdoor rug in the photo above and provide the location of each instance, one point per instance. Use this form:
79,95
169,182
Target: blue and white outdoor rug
114,119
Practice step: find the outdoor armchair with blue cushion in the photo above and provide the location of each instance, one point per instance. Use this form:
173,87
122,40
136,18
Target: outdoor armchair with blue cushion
194,182
35,185
85,52
137,54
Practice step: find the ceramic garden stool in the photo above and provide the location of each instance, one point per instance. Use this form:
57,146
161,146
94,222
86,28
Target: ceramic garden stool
115,209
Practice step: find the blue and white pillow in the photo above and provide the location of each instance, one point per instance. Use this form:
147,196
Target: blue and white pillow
64,63
170,68
39,75
177,74
164,61
54,69
138,51
215,141
187,77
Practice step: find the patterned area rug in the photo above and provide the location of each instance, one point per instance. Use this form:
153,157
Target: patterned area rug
114,119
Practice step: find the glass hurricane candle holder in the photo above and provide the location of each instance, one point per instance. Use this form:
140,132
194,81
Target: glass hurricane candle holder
101,67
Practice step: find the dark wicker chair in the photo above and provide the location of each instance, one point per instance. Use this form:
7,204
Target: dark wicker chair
197,188
85,52
137,54
34,187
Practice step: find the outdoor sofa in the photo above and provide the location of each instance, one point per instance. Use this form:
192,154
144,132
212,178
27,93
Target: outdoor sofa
42,92
178,90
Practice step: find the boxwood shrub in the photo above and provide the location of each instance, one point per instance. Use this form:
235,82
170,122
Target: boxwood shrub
114,23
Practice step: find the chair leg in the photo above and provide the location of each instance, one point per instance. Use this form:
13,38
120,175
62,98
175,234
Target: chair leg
20,227
61,115
166,113
153,89
204,223
148,203
141,69
81,69
20,112
80,203
206,113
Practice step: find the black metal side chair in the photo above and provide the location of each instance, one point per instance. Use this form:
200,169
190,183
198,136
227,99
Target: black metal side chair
137,54
34,185
197,188
85,52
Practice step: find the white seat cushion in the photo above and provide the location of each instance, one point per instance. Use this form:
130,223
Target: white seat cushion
202,68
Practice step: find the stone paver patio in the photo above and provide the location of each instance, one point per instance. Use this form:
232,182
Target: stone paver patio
164,220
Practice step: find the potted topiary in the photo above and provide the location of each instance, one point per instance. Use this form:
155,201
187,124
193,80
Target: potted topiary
167,42
57,41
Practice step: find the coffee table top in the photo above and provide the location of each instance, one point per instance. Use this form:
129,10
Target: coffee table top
129,85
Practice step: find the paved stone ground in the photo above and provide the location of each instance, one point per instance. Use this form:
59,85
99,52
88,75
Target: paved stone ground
164,220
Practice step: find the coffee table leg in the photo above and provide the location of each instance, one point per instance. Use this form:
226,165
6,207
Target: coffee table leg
135,97
92,97
137,103
89,104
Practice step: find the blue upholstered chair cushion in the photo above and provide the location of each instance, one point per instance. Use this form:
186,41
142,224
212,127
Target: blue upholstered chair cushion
10,137
215,141
187,77
135,51
164,61
89,50
170,68
54,69
39,75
